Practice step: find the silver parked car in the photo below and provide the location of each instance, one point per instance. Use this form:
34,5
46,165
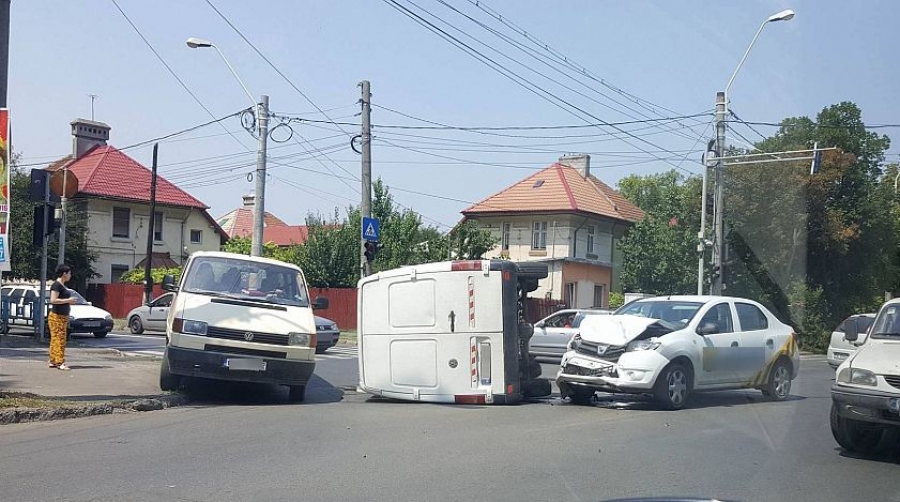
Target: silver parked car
552,333
839,349
327,334
150,317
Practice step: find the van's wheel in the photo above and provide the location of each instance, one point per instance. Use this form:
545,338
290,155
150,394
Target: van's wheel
537,388
296,393
101,334
673,386
136,326
779,385
167,381
534,369
853,435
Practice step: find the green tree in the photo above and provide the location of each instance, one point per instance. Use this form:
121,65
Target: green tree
25,260
660,251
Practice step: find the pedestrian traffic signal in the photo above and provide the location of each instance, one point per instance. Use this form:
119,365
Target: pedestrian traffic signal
372,248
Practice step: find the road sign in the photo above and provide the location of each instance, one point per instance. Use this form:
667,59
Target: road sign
371,230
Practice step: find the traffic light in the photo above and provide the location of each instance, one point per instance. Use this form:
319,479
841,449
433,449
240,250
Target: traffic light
44,224
372,248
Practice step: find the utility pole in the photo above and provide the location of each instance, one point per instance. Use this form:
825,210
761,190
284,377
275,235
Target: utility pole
148,279
4,51
366,178
718,255
259,202
41,302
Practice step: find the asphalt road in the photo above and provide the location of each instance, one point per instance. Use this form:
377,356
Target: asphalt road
245,443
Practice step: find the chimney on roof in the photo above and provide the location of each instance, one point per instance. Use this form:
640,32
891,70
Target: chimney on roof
581,162
249,201
87,134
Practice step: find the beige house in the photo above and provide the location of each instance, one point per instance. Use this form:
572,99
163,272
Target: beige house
115,191
567,218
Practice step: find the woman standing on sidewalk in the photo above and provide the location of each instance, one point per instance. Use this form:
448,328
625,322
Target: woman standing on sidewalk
58,320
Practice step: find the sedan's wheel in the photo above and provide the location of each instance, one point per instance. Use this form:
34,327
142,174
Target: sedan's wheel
297,393
137,327
779,385
101,334
673,386
853,435
320,349
580,395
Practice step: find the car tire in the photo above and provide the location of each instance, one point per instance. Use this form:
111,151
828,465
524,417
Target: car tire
853,435
537,388
136,326
101,334
320,349
580,395
167,381
534,369
778,386
296,393
673,386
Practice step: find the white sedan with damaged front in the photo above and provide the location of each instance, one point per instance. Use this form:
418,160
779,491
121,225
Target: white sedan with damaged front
670,347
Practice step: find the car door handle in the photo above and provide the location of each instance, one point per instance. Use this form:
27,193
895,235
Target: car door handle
734,344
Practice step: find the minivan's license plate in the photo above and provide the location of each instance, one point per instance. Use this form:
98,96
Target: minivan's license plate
245,364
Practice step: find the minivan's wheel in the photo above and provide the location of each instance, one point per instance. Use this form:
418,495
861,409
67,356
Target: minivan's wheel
853,435
167,381
779,385
296,393
137,327
101,334
673,386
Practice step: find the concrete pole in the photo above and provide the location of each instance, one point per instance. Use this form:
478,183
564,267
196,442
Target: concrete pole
366,178
719,207
259,202
148,259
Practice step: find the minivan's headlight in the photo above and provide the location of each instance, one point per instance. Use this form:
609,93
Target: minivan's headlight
857,376
193,327
303,339
647,344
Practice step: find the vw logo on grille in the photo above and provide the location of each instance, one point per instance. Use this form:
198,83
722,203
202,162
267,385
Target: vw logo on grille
601,349
248,336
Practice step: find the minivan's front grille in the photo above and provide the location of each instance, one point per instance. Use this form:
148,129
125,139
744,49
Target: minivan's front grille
244,351
894,380
242,335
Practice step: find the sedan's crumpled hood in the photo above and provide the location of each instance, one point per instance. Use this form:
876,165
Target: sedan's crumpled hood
617,329
879,356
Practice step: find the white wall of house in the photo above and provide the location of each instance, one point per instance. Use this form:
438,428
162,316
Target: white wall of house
181,229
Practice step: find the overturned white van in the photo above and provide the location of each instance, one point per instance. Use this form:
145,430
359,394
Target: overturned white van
449,332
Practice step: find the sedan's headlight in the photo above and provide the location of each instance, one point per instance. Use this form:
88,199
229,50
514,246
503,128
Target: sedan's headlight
333,327
574,342
646,344
857,376
303,339
193,327
108,317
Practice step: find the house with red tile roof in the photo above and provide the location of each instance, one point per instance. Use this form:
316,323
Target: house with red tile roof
566,217
239,223
115,191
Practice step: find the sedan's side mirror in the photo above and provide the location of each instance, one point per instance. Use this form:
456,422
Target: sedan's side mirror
539,324
708,328
851,331
168,283
321,303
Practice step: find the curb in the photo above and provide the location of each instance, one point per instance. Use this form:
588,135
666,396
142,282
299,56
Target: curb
23,415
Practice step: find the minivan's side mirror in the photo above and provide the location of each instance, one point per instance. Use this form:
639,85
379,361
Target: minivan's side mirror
321,303
708,328
851,331
168,283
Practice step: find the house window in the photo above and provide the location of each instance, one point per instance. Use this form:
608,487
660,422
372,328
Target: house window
539,235
157,226
598,296
116,272
196,236
121,222
504,239
569,295
590,239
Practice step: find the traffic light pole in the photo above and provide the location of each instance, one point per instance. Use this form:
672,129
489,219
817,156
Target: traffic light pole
39,325
365,207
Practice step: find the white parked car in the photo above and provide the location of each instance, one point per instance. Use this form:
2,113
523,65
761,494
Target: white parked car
839,349
669,347
83,317
150,317
865,409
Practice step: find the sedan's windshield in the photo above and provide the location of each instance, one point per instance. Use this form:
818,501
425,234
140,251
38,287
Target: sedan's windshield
888,323
678,314
246,280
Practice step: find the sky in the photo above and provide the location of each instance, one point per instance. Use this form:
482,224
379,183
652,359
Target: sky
637,62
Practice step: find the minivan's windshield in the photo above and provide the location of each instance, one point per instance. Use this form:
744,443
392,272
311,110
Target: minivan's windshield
888,323
679,314
246,280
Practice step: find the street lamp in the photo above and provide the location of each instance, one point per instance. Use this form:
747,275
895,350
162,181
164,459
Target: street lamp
718,257
262,122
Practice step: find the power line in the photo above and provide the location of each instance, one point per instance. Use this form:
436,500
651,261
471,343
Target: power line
518,79
817,124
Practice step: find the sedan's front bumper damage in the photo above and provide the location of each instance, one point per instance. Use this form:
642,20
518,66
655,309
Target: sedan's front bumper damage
633,372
